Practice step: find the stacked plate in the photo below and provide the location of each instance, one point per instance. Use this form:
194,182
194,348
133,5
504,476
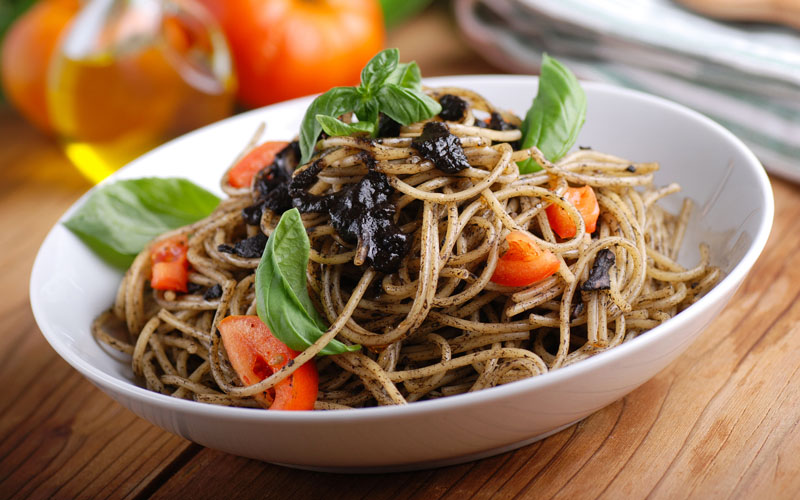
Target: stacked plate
745,76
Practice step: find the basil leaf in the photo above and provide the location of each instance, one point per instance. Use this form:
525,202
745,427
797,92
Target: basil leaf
288,322
333,103
378,69
406,106
120,219
386,87
367,111
556,115
282,299
290,251
406,75
333,126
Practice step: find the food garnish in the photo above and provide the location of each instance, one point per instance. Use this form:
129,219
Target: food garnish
556,116
582,198
282,296
525,262
241,175
255,354
599,278
120,219
169,265
387,87
438,145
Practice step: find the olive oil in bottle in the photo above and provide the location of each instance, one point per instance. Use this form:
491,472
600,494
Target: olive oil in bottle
131,74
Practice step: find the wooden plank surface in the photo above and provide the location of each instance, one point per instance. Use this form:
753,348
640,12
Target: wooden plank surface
719,422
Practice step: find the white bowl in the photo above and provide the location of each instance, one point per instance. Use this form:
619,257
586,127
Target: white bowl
70,286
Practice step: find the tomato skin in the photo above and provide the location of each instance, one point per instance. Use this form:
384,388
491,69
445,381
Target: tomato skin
241,175
525,262
26,52
290,48
255,354
169,264
582,198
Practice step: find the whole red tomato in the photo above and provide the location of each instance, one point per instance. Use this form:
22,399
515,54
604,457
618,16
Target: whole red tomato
289,48
27,48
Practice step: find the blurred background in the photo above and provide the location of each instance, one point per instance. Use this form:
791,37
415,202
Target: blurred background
107,80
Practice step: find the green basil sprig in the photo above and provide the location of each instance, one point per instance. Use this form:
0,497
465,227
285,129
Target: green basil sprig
556,115
386,87
282,299
119,220
406,75
332,126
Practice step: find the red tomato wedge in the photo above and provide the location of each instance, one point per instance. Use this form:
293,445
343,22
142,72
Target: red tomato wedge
584,199
169,265
256,354
241,175
525,262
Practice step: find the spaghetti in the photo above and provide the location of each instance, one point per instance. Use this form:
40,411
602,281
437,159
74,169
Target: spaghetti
437,325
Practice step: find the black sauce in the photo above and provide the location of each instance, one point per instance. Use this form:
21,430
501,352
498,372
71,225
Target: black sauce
210,293
496,122
598,276
361,213
249,248
252,214
577,310
303,200
271,185
441,147
453,107
387,127
214,292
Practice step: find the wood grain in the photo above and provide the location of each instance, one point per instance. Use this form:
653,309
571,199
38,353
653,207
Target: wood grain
720,422
58,433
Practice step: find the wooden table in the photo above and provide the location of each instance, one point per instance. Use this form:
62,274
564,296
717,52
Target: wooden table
721,421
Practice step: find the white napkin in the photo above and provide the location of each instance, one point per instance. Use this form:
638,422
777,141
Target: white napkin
746,77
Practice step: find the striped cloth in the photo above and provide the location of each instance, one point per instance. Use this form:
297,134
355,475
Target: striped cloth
746,77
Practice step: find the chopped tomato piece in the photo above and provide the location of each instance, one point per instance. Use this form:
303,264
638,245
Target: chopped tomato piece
525,262
256,354
582,198
169,265
241,175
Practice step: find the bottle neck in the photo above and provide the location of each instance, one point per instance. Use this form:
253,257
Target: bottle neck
104,27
